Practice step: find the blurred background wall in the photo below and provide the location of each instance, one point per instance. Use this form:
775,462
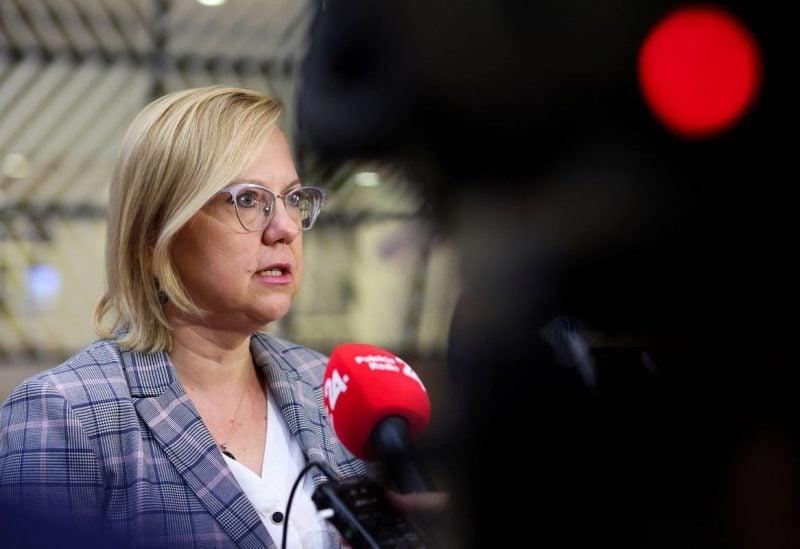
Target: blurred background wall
73,74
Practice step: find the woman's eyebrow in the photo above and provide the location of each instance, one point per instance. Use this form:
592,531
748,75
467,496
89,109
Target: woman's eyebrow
293,184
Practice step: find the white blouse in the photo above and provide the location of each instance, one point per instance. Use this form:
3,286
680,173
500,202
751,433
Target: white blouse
269,493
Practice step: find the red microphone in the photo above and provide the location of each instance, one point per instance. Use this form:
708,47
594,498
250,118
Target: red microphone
378,407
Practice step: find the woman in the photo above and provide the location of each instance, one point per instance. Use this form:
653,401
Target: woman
184,425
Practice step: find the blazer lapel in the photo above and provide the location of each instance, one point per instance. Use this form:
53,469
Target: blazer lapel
299,401
297,398
164,406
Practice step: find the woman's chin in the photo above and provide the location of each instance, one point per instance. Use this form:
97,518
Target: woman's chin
272,313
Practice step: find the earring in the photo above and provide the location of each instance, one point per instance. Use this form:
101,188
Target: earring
161,296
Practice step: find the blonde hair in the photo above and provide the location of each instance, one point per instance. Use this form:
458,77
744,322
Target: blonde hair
176,155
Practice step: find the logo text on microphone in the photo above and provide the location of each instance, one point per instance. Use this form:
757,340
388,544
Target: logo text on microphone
379,362
335,386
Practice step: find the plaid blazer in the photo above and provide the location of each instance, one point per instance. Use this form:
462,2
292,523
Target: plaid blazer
111,437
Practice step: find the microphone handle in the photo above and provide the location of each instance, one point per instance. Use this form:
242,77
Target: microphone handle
391,441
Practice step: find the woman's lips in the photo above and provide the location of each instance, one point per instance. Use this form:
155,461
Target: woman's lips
276,274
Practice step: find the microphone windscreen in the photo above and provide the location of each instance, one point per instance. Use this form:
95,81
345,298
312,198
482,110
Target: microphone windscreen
363,385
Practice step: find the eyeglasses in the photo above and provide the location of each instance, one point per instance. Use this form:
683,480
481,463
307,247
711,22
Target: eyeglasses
255,205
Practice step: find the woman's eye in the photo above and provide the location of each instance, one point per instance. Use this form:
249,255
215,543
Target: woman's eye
293,198
247,199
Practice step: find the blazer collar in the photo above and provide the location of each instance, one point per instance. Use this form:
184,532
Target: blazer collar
148,374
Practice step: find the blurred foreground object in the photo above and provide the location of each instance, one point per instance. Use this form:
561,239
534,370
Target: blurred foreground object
629,292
